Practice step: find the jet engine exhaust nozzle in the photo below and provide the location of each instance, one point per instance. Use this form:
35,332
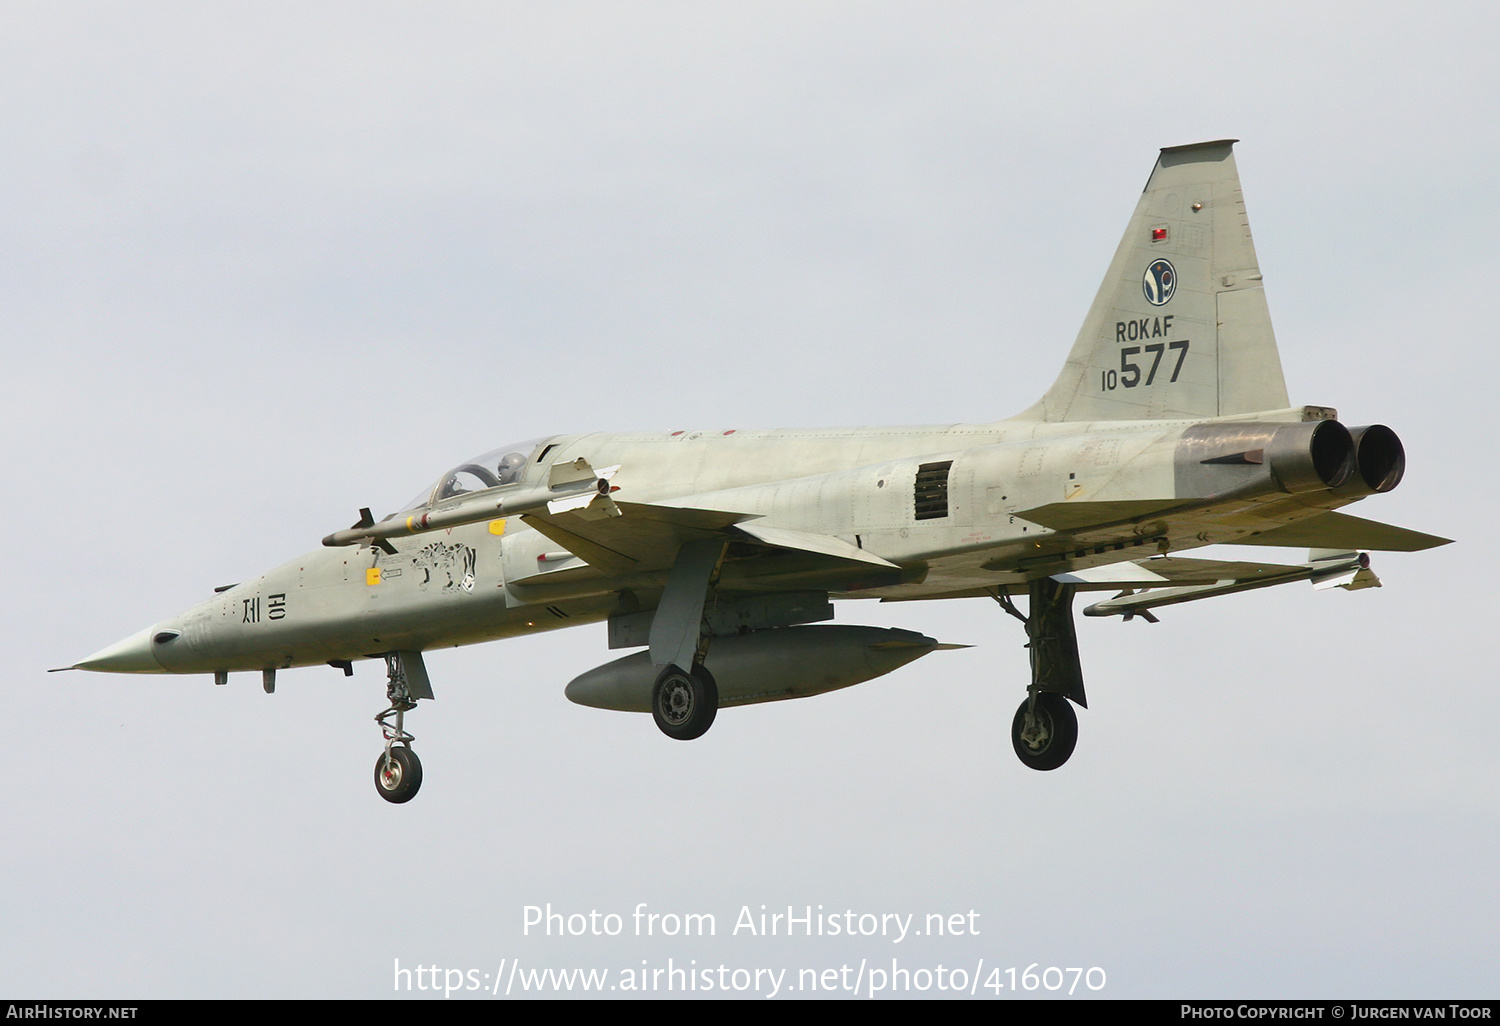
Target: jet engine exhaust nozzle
1380,459
1309,457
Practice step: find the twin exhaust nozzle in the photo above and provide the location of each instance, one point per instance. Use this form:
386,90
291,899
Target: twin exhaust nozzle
1310,456
1350,461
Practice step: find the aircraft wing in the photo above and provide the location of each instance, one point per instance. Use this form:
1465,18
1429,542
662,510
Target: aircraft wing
646,538
642,538
1169,580
1155,573
1160,571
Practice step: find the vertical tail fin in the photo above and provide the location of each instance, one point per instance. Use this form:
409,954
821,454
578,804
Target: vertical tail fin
1180,327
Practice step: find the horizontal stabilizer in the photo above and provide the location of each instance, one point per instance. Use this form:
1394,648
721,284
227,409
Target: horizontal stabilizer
1341,531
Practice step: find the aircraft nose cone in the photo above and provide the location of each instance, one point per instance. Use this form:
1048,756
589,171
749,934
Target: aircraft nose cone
133,655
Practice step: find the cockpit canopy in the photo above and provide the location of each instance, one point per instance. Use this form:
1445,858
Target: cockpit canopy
494,469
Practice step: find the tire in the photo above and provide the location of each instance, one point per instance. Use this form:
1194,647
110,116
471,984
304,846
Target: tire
684,704
399,781
1055,733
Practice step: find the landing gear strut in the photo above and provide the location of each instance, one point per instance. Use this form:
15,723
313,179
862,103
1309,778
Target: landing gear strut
398,771
685,701
1045,728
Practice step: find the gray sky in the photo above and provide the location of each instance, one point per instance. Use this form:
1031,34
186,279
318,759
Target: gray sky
267,263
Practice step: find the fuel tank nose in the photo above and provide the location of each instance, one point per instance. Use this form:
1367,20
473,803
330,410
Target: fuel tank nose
133,655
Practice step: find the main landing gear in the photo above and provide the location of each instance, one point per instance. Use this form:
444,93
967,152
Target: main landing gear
684,702
1045,727
398,771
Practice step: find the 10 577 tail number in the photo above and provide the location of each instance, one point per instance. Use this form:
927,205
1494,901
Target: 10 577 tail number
1129,374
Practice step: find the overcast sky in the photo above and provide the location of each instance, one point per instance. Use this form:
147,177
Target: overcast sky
264,264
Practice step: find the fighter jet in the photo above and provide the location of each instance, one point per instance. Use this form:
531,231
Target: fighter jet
719,554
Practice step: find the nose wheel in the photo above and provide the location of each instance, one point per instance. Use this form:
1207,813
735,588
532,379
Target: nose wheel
398,774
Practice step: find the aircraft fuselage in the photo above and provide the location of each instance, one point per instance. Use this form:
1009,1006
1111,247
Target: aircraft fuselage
503,578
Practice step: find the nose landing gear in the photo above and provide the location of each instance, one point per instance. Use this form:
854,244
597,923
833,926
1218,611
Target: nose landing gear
398,771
